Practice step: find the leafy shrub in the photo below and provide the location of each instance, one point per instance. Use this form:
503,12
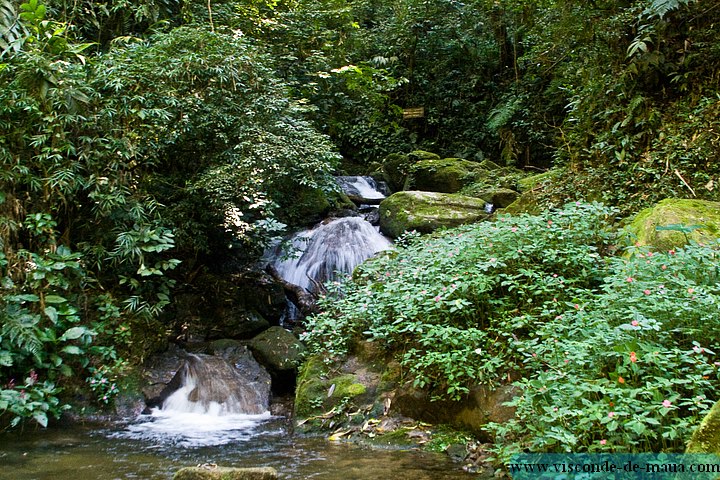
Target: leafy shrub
633,369
449,302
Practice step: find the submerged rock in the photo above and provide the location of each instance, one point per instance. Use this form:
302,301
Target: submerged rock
428,211
225,473
660,226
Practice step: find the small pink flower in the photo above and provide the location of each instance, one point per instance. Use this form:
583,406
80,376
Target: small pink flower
634,323
633,357
646,292
664,267
629,279
603,441
671,252
513,229
667,403
577,307
691,290
438,298
611,414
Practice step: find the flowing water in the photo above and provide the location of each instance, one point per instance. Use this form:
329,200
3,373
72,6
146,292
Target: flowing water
143,452
338,245
211,417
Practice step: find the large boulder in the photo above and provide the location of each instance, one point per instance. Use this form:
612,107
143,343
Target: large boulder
447,175
212,472
499,197
396,167
665,225
428,211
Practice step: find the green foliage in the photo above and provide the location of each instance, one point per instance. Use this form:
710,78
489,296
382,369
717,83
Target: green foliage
633,370
612,353
449,302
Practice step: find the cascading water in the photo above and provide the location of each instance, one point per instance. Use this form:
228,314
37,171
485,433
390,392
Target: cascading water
212,402
211,385
338,245
362,190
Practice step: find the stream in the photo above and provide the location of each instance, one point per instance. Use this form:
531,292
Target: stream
154,448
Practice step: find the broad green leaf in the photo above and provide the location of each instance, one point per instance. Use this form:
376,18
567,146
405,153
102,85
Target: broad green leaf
72,350
55,299
74,333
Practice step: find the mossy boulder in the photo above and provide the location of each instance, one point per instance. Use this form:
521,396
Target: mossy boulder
447,175
706,438
320,390
428,211
534,181
396,167
277,349
499,197
676,213
525,203
225,473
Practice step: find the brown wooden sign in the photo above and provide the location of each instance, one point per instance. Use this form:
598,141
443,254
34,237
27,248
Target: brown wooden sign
415,112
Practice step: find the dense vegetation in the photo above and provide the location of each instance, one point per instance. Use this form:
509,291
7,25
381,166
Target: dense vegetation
609,352
140,139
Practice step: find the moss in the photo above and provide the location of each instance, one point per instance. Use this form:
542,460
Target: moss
396,167
673,211
226,473
499,197
428,211
347,386
489,165
530,183
525,203
706,438
447,175
418,155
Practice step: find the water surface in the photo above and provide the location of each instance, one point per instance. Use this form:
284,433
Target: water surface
155,452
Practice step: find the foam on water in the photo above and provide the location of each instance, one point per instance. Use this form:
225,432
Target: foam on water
193,429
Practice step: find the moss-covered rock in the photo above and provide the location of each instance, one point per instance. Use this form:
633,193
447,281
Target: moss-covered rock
428,211
277,349
525,203
447,175
225,473
396,167
318,390
675,213
706,438
534,181
499,197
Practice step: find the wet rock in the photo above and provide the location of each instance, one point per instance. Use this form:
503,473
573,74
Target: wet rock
212,472
428,211
361,190
676,213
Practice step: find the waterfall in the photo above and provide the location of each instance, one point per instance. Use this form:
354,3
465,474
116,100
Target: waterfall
336,246
361,190
211,385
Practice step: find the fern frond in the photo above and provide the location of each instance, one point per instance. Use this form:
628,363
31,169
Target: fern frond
18,326
659,8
